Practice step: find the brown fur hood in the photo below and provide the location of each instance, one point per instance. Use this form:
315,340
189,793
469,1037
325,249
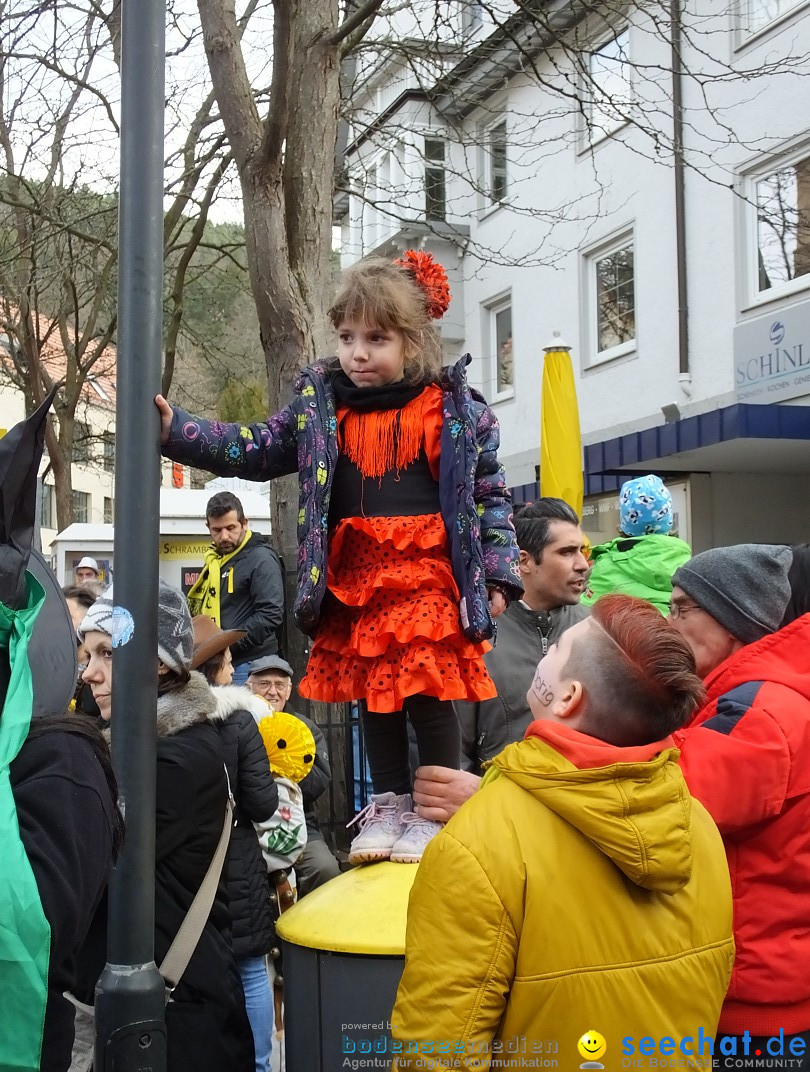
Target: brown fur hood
183,707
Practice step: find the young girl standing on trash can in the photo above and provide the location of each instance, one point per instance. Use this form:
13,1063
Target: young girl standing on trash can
399,478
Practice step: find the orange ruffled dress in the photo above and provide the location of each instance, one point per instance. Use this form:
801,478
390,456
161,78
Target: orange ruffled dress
390,625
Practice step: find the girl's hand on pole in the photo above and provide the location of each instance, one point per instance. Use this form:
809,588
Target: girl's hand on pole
165,418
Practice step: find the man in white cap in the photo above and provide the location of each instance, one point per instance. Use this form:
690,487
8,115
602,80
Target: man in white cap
87,571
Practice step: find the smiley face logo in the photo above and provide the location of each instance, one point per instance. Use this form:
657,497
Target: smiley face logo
592,1046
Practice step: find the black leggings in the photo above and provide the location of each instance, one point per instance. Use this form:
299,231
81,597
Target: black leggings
438,738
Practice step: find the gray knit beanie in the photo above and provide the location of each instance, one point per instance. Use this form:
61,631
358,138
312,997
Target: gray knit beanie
175,631
745,587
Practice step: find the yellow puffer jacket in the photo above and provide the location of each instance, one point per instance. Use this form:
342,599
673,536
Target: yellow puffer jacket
559,901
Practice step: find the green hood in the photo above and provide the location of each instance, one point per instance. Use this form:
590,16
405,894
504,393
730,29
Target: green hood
25,935
639,566
24,931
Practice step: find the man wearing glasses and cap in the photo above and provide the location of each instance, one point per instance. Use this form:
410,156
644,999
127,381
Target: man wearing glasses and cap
271,677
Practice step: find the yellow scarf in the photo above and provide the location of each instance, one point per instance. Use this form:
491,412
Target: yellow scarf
203,598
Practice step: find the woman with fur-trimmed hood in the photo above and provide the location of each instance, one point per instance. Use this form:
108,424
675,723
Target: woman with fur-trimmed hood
206,1024
255,802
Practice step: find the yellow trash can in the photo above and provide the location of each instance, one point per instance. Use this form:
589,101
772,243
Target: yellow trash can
343,948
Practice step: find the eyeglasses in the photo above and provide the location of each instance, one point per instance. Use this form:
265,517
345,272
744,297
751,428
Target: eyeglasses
677,610
264,684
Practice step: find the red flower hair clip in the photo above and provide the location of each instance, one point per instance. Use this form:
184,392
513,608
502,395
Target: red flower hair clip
431,277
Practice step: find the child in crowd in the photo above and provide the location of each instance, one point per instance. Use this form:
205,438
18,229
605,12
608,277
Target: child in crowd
290,749
589,809
641,560
399,478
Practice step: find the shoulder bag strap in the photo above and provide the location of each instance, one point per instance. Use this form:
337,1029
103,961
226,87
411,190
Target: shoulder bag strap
185,942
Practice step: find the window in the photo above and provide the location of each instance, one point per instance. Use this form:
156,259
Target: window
612,299
783,225
500,347
472,16
81,506
97,387
608,87
82,441
756,14
108,444
47,517
109,510
495,154
9,345
435,194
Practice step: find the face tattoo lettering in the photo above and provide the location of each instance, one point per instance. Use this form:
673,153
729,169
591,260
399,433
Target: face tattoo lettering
541,689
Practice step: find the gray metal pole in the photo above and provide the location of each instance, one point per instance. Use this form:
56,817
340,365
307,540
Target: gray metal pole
130,1029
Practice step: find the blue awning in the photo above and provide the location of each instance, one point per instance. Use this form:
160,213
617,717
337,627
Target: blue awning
681,446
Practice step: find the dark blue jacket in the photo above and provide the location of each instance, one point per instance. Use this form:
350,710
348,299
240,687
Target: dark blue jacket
302,437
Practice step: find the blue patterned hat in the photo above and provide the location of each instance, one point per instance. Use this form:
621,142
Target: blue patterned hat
645,506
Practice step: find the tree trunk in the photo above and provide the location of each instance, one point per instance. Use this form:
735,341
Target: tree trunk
63,487
286,170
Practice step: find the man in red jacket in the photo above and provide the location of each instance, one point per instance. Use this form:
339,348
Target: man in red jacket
746,758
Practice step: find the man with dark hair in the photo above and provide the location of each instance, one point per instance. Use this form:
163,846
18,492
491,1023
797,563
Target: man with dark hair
591,804
241,585
535,519
553,571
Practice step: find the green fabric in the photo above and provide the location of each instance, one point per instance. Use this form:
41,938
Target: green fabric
643,568
25,936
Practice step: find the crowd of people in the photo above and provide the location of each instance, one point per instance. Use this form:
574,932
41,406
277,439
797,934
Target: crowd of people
610,806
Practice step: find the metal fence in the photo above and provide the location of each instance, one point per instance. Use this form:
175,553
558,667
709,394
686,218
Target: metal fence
350,788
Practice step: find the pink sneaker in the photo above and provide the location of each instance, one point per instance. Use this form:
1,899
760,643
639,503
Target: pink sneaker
381,827
415,836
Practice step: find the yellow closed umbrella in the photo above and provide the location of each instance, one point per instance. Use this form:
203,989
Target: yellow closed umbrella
560,443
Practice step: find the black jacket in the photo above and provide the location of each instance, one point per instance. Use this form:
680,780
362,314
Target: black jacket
256,797
66,817
252,598
206,1024
318,779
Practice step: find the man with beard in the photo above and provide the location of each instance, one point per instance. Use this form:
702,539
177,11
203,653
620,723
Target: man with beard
553,570
242,585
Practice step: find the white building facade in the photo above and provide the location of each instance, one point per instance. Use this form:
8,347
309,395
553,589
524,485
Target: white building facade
93,467
640,184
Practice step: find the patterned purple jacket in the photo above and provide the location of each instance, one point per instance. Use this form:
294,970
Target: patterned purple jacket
475,504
